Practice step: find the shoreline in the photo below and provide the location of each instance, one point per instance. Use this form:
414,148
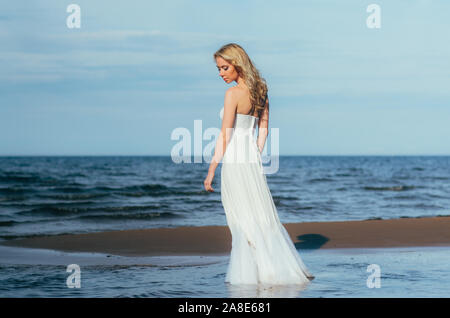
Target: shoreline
216,240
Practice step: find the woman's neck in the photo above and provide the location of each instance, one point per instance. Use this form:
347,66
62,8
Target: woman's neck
241,83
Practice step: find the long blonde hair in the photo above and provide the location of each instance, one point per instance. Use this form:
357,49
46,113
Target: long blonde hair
236,56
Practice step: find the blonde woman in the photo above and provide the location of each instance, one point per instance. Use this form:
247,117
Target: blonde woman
262,251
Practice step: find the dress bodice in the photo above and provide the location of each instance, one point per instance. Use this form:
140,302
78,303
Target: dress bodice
243,121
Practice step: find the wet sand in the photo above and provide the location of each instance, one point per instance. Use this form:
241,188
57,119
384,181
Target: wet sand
216,240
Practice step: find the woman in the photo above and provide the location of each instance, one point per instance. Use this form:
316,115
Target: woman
262,251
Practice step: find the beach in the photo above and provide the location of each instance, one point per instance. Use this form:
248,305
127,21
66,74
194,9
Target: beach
143,227
216,240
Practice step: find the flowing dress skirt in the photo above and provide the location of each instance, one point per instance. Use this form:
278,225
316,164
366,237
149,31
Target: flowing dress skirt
262,250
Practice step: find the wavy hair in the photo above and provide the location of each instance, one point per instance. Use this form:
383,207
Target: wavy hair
236,56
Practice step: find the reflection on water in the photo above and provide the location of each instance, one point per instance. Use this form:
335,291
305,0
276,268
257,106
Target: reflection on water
405,272
265,290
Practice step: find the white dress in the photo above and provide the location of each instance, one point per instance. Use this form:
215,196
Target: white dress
262,250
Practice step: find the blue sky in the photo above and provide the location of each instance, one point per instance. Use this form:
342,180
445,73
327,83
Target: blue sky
136,70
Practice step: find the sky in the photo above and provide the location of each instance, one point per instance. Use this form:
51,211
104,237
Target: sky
137,70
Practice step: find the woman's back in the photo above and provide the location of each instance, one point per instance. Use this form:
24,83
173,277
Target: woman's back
244,104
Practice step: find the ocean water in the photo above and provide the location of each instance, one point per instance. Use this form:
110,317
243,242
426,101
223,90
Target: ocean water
56,195
402,272
59,195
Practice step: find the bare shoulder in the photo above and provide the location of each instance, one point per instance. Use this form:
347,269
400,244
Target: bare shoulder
233,91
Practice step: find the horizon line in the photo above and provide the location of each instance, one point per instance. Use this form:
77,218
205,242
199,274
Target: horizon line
286,155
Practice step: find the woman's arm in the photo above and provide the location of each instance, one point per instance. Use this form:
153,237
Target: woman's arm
263,127
229,115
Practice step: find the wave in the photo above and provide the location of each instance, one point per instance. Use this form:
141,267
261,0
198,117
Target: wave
58,210
8,223
423,216
25,236
321,180
344,175
15,190
72,196
18,177
77,191
285,198
406,217
152,190
436,178
392,188
129,216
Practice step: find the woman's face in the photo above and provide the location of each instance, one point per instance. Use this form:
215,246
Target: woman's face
226,70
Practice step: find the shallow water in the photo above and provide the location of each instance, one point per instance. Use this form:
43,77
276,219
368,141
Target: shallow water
404,272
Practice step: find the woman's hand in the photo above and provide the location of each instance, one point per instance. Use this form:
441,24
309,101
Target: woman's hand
207,183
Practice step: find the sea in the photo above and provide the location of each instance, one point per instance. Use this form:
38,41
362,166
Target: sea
50,195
